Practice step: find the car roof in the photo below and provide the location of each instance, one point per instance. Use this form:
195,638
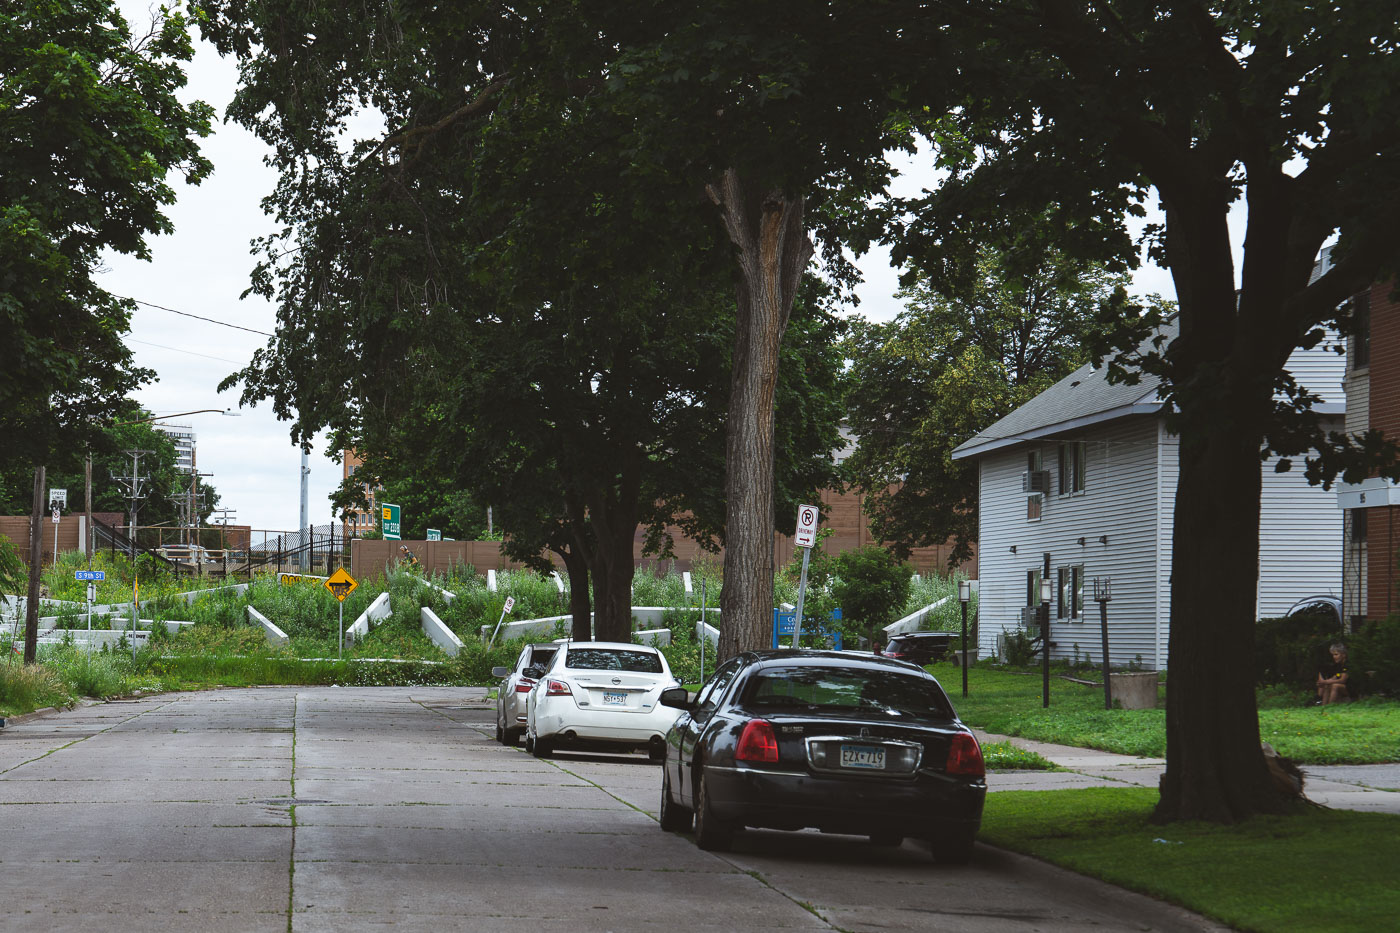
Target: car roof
817,658
624,645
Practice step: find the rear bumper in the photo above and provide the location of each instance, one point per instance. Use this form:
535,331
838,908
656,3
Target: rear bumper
575,728
925,806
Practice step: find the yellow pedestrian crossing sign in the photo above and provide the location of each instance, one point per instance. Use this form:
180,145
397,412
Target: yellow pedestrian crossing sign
341,584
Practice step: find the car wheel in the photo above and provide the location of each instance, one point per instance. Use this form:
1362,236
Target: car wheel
711,833
543,748
674,817
529,743
656,753
500,733
512,738
886,840
953,846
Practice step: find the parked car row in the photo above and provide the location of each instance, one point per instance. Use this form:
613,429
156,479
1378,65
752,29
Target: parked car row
786,739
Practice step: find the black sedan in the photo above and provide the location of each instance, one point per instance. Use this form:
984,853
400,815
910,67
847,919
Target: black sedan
820,739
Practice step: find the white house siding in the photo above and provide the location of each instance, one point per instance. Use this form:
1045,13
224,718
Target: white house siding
1300,538
1120,501
1358,392
1321,369
1169,470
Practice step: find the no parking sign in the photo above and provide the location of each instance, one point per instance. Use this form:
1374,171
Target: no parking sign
806,535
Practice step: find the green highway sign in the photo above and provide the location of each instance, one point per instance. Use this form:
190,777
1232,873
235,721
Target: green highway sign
434,534
389,522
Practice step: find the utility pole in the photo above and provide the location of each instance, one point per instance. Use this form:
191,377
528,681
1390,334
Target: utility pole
36,556
135,485
305,514
87,509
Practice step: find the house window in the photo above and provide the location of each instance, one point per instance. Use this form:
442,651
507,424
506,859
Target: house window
1034,464
1361,331
1071,468
1358,525
1033,587
1069,595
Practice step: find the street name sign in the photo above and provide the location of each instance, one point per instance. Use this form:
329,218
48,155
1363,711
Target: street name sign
341,584
806,535
89,575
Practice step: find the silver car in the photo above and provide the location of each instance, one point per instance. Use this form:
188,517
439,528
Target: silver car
515,688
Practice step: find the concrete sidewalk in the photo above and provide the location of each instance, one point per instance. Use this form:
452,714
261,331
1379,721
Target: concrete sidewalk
1343,787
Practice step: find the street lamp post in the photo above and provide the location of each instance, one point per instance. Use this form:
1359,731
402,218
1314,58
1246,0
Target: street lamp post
1045,592
964,596
1103,594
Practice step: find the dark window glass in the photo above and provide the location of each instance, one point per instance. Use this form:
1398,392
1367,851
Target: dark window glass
540,657
826,688
1358,524
709,694
613,659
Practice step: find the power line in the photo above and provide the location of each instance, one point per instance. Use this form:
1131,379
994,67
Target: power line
182,350
195,316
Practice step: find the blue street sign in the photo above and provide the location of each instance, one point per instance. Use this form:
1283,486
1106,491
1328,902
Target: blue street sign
785,624
89,575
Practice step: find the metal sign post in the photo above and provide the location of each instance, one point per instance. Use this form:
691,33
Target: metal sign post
1103,595
704,636
805,538
341,585
510,604
90,576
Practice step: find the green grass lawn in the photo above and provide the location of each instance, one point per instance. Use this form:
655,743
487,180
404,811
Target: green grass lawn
1313,870
1008,703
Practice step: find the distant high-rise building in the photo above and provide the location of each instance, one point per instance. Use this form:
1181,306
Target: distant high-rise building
183,437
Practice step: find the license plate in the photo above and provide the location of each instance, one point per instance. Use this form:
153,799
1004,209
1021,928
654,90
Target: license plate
614,699
863,756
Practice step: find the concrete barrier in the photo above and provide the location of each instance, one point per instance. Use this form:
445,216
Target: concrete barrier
447,595
707,631
1136,690
914,620
96,638
437,630
377,610
656,637
527,627
275,636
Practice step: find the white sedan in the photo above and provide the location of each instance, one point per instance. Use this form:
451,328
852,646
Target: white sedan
600,695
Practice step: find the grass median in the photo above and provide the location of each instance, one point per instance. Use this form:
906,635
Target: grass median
1008,703
1313,869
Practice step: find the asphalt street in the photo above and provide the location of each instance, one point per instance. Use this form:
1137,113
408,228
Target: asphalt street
358,809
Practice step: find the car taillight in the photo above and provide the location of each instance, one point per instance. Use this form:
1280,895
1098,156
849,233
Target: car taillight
965,756
757,742
557,688
524,686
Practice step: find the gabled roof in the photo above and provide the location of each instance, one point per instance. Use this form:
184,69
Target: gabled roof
1082,398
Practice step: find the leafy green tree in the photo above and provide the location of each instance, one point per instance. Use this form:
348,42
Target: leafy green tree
871,586
1091,109
91,125
961,356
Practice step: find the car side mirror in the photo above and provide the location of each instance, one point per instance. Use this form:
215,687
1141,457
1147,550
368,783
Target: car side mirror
500,672
676,698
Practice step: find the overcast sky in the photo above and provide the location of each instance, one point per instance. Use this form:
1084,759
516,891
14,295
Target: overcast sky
203,268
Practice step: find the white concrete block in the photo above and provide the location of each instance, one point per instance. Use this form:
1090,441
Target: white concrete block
275,636
375,612
655,637
437,630
914,620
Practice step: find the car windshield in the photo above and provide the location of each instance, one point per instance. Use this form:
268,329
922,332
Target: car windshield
890,693
613,659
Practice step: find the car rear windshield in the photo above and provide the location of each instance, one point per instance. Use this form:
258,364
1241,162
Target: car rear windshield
539,657
613,659
826,688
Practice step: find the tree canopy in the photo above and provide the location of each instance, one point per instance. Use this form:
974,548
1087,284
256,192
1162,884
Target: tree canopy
959,357
91,125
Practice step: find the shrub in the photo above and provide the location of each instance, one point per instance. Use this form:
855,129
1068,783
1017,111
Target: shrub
1376,649
871,588
25,687
1291,650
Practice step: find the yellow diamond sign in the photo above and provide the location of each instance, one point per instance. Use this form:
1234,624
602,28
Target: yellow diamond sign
341,584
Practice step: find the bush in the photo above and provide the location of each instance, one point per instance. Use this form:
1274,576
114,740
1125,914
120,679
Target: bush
1373,657
871,587
1293,649
25,687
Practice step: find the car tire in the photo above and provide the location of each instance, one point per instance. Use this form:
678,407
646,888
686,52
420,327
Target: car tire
656,753
543,748
953,846
674,817
529,743
711,833
512,738
886,840
500,733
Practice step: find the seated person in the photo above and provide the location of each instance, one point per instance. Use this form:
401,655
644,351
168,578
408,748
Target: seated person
1332,679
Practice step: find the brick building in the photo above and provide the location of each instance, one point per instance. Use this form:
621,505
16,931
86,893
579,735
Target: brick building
1372,507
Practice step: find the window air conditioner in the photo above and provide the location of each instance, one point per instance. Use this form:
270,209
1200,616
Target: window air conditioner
1035,481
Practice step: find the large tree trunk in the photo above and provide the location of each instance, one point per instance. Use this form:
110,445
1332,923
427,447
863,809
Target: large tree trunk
580,605
1223,365
772,251
613,515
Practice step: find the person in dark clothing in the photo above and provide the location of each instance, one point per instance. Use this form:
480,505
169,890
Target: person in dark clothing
1332,679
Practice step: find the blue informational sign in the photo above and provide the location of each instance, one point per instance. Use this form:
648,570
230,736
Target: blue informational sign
89,575
785,624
